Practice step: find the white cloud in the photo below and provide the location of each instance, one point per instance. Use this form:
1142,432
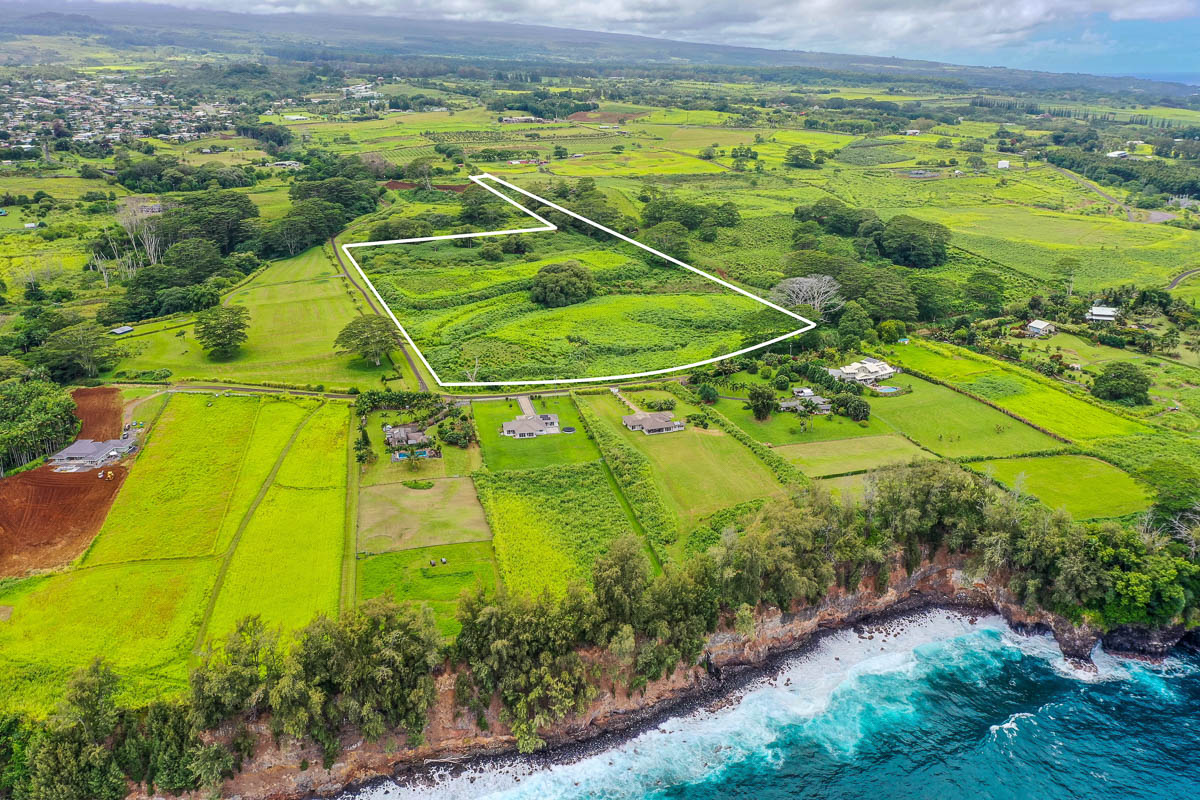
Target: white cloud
907,28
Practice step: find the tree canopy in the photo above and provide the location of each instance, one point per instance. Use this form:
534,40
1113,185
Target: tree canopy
562,284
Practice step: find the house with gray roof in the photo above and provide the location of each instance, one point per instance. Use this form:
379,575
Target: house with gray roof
652,422
868,371
803,394
88,454
528,426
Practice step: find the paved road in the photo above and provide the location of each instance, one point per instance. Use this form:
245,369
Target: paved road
1152,216
1181,278
371,302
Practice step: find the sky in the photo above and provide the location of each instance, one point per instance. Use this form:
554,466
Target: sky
1142,37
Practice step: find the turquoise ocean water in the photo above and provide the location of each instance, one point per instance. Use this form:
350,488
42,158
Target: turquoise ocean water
936,707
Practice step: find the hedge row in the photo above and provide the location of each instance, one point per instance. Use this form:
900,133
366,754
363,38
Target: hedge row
711,527
636,479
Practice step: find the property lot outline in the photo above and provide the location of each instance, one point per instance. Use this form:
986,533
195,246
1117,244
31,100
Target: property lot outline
547,226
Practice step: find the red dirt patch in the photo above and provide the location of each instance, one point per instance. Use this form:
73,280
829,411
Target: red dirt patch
48,518
100,410
606,117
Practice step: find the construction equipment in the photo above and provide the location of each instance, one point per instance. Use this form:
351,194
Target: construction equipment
108,476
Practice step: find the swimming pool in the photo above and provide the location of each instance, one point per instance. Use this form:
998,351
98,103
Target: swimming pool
887,389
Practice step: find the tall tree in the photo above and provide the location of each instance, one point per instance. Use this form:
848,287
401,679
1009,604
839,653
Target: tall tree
223,328
370,336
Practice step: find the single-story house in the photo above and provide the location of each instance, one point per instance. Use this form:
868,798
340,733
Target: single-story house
1119,154
404,435
123,329
912,132
800,394
1040,327
867,371
527,426
90,454
652,422
1002,164
1103,314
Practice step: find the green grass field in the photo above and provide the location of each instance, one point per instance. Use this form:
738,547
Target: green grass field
1085,487
1016,390
549,524
396,517
783,427
502,452
408,575
698,471
821,458
297,307
953,425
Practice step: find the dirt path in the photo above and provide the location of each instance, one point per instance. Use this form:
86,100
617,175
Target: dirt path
133,405
424,387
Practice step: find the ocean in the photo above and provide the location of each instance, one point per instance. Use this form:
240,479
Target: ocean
931,706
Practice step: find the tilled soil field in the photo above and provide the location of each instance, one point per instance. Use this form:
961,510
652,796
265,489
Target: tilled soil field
47,518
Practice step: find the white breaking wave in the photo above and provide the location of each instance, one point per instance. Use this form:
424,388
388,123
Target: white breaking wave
837,696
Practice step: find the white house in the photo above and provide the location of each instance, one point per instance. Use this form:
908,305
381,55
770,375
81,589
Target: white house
1040,327
912,132
528,426
1118,154
868,371
1103,314
1002,164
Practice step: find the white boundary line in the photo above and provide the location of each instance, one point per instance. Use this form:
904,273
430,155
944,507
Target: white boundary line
550,226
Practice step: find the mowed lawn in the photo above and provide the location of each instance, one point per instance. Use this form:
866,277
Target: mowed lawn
837,457
1085,487
698,471
1018,391
409,575
953,425
455,461
396,517
297,307
502,452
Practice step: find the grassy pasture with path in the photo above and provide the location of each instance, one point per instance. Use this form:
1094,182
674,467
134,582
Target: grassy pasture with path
297,306
783,427
1085,487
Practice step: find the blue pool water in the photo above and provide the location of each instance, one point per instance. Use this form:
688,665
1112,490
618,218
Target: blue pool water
938,708
886,389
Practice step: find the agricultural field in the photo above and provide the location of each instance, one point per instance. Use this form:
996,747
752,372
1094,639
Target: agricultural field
221,488
835,457
297,306
549,524
1018,391
698,471
1084,487
954,425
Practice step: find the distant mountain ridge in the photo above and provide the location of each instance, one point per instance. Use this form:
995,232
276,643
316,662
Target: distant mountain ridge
158,24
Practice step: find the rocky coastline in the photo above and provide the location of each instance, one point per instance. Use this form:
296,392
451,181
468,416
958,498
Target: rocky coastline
290,771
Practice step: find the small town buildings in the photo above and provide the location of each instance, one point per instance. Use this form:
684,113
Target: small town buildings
528,426
89,454
1040,327
1103,314
652,422
1002,164
868,371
